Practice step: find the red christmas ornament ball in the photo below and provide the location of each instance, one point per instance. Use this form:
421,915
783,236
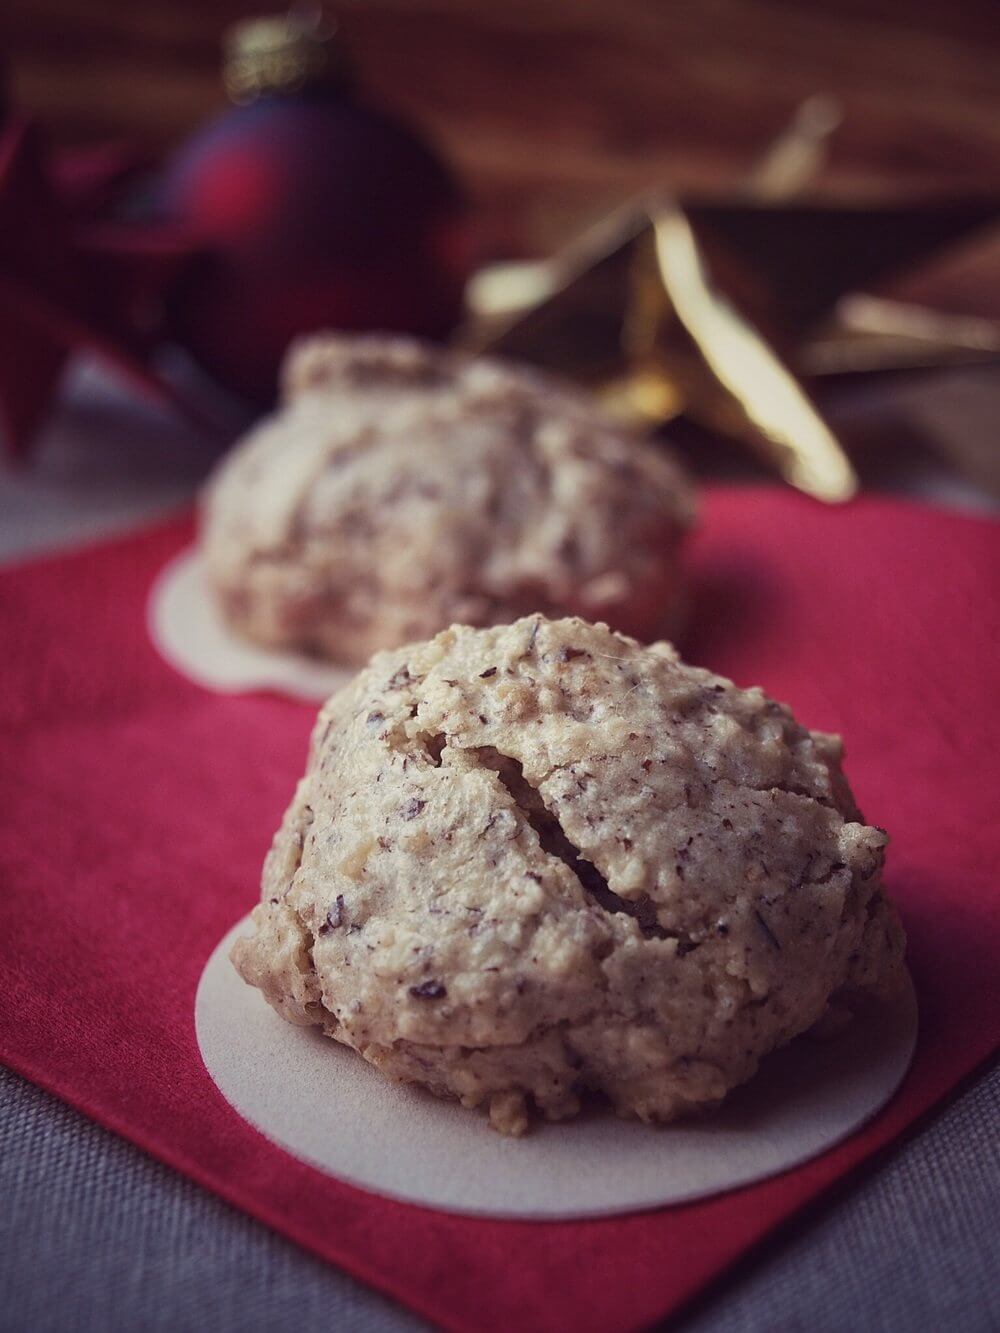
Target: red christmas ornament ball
309,211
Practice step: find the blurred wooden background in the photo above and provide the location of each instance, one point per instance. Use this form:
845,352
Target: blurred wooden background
555,109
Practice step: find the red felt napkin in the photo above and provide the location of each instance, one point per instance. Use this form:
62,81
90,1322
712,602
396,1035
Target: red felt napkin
135,809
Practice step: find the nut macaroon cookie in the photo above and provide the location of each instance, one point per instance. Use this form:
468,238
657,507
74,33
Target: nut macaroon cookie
401,488
540,860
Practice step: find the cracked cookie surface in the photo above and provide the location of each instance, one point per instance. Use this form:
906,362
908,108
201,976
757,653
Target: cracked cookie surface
401,488
536,860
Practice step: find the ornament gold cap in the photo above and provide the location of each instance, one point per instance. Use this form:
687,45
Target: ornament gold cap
283,53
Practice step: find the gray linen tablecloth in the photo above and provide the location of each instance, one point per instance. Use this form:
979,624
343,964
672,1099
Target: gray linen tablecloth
96,1235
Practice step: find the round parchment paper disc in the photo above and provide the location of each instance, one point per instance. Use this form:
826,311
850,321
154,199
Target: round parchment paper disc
322,1103
189,632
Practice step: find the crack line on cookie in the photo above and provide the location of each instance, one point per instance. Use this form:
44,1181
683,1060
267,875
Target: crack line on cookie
554,842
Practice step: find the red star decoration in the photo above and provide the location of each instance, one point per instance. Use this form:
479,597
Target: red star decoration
70,279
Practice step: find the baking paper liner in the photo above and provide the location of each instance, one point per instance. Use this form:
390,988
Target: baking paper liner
188,630
322,1103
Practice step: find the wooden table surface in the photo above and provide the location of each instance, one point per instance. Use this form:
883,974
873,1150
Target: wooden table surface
556,109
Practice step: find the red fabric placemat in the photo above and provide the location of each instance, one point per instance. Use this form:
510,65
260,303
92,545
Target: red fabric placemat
135,810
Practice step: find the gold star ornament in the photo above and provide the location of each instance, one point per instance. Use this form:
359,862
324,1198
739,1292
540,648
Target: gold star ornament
713,309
